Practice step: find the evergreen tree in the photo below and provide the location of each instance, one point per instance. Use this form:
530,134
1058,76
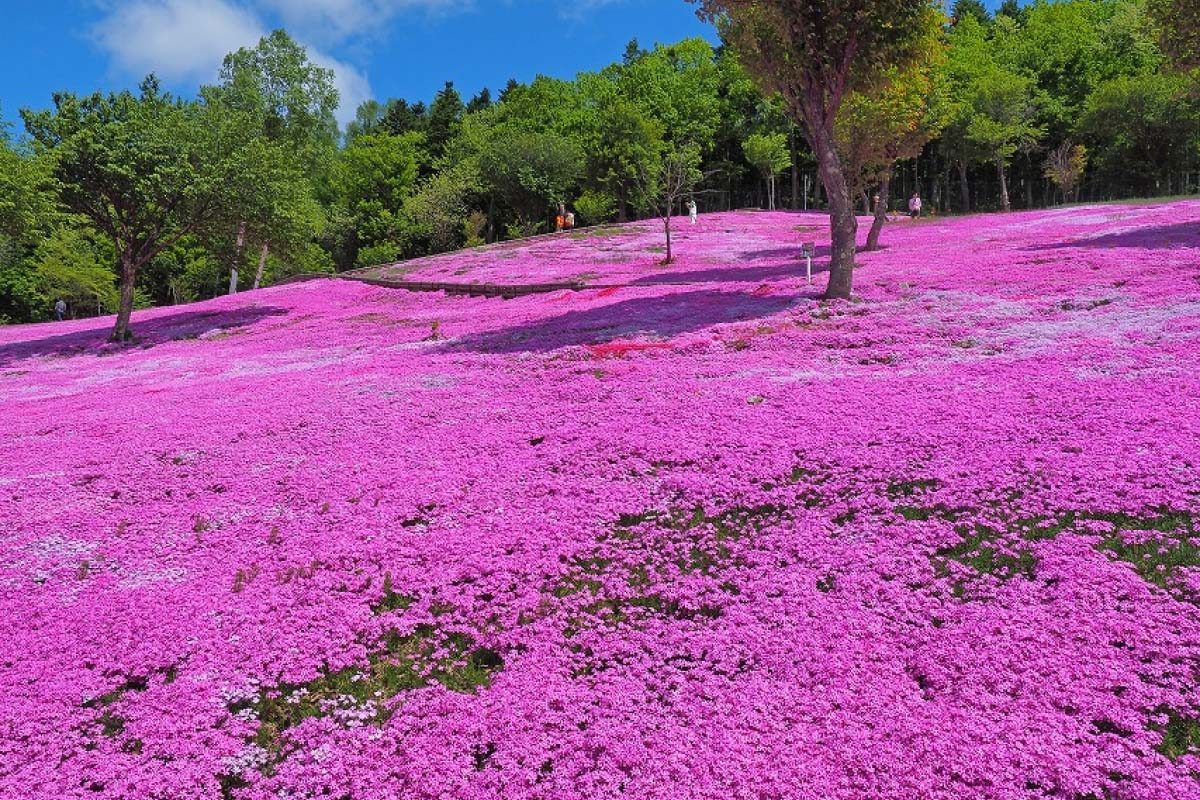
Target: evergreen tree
445,117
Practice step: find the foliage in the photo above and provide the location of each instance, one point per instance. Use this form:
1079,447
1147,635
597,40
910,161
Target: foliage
532,172
293,99
813,54
77,268
1137,129
769,154
594,208
147,170
439,212
373,177
1178,28
290,102
969,8
1065,166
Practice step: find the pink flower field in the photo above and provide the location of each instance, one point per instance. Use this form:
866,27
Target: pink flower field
696,535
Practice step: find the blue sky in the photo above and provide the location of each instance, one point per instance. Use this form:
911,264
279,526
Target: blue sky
378,48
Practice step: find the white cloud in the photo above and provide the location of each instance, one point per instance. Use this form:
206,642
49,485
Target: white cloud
186,41
353,86
338,20
180,40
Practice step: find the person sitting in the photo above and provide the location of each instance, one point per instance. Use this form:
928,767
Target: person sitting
914,205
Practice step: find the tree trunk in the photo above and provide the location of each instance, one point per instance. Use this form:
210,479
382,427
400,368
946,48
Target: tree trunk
120,331
1005,204
843,225
964,187
667,227
262,262
795,171
885,189
237,256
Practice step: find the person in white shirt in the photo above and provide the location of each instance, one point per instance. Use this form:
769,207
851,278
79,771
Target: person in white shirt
692,211
914,205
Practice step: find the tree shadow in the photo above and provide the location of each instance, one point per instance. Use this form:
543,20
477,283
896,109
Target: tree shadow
1160,237
663,316
147,333
781,262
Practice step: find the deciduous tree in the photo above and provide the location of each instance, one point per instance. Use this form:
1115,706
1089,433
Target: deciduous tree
768,153
147,170
813,53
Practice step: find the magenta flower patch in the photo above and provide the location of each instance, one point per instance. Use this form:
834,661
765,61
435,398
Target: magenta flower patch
691,534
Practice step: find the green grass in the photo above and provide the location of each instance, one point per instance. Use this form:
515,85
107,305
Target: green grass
401,663
1181,734
603,231
1168,547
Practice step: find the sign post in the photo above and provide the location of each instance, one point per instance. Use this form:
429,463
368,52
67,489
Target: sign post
807,251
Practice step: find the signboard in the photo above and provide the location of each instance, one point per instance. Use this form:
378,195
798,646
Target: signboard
807,251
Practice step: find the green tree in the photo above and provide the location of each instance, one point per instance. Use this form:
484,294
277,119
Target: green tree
374,177
1013,10
769,154
1140,130
1001,121
73,266
813,53
622,143
1178,26
368,118
480,102
147,170
291,102
969,8
532,172
445,118
440,214
894,122
400,117
676,85
27,216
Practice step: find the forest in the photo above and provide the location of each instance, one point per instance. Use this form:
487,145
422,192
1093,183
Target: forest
251,181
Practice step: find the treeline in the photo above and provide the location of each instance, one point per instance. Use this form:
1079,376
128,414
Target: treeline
251,182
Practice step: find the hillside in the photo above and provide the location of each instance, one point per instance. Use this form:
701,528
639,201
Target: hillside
695,534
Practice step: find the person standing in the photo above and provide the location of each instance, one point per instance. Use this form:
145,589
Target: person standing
693,212
569,220
60,309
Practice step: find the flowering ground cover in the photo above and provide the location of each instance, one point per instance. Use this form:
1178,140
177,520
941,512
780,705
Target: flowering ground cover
694,538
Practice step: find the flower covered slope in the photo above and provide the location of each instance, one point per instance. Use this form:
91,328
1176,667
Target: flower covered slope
704,541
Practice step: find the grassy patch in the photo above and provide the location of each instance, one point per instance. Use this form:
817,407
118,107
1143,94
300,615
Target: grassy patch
360,695
391,600
1158,547
983,551
602,231
1180,734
